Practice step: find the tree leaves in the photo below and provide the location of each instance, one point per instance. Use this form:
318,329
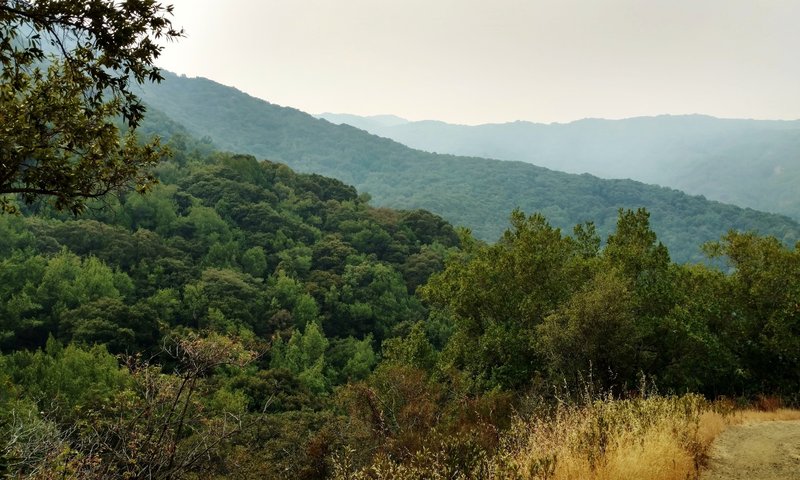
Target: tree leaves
58,108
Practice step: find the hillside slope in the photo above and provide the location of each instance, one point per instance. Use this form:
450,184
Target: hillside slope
474,192
750,163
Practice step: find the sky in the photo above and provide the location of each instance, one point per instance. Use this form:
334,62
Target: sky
481,61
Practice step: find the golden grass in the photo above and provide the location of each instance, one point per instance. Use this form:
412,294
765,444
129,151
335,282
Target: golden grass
656,455
754,416
653,438
710,425
658,438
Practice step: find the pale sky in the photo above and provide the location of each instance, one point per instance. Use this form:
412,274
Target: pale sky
488,61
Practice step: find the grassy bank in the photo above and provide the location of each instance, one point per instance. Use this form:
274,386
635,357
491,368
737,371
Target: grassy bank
657,438
654,438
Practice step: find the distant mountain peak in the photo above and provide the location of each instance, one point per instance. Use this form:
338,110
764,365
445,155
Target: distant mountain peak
363,122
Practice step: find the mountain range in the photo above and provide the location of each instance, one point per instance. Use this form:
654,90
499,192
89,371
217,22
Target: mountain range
475,192
750,163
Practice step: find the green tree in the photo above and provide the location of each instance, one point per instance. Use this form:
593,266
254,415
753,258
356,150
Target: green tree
254,262
304,356
164,426
594,331
634,251
58,136
331,253
156,211
65,380
350,359
702,335
419,266
110,322
70,281
497,295
237,296
65,283
373,299
764,288
20,312
290,295
414,349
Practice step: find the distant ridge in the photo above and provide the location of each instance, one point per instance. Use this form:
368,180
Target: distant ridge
750,163
364,123
474,192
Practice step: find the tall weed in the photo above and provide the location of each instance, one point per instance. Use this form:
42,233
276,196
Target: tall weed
649,437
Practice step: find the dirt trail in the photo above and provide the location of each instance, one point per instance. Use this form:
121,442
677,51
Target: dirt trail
759,451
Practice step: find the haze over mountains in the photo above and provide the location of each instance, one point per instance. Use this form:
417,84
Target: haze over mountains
750,163
470,191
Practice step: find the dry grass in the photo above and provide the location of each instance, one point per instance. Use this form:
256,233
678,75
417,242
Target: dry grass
654,438
755,416
658,438
710,425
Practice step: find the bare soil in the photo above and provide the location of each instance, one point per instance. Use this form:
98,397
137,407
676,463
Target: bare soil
758,451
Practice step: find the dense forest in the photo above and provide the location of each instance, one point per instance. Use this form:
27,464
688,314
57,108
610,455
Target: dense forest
472,192
243,320
172,311
749,163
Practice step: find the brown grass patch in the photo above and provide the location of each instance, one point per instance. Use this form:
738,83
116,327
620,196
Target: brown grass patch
710,425
768,403
654,438
755,416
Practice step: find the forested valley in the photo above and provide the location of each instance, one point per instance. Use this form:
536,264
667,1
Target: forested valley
245,321
172,307
478,193
697,154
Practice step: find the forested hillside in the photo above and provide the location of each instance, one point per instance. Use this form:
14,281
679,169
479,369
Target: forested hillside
473,192
750,163
169,311
295,264
245,320
230,230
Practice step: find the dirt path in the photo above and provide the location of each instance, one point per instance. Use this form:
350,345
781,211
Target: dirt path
759,451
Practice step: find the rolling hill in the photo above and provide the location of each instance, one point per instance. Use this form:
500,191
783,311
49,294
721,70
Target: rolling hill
470,191
750,163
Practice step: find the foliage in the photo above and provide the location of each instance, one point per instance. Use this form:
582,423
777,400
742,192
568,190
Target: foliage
765,288
538,305
473,192
129,423
197,261
65,77
499,294
701,155
651,437
303,355
269,324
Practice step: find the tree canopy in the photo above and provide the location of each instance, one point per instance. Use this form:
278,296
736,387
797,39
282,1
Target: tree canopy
246,320
66,75
474,192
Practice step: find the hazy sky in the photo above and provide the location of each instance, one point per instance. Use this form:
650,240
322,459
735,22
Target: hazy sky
469,61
